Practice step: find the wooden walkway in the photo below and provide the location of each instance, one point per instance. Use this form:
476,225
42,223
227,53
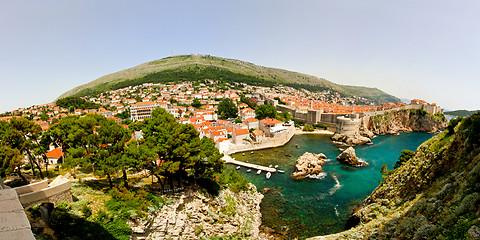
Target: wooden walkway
230,160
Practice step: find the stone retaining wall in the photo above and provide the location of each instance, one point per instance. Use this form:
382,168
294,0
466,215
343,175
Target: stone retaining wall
58,190
280,139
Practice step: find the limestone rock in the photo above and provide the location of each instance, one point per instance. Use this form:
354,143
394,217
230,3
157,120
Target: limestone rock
349,157
351,140
309,165
393,122
474,232
194,215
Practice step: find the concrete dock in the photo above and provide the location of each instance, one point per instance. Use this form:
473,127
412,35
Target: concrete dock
230,160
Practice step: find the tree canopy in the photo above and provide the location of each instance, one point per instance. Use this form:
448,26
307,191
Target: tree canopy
265,111
404,157
227,109
18,137
76,103
181,154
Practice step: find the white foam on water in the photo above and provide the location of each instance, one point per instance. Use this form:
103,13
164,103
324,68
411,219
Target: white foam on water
336,186
318,176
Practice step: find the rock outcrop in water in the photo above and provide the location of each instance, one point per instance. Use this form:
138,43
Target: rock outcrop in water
393,122
433,195
349,157
351,140
195,215
309,165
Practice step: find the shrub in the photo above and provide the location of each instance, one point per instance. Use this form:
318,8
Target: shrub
468,204
322,126
404,157
453,123
233,180
308,128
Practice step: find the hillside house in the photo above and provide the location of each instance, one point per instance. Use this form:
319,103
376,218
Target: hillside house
239,135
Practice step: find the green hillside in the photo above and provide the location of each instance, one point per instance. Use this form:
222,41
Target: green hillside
200,67
461,113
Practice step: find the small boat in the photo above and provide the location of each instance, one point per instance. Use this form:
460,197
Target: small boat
297,146
237,167
259,171
251,152
270,166
280,171
243,154
249,170
269,174
276,166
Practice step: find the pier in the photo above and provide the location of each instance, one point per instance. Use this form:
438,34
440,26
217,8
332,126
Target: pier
230,160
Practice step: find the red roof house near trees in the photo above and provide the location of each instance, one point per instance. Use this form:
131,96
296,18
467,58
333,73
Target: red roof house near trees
54,155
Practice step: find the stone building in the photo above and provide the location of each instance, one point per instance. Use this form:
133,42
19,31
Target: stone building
142,110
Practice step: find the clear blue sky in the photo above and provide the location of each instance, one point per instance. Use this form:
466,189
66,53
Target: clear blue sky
411,49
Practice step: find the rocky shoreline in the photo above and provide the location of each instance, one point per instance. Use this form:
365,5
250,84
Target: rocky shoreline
196,215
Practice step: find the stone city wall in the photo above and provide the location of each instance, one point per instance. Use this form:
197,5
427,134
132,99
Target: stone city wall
278,140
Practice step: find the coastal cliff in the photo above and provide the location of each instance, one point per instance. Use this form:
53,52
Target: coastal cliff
195,215
433,195
414,120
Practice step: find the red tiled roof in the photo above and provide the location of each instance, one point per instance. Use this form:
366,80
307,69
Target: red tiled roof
55,153
250,120
241,131
270,121
143,103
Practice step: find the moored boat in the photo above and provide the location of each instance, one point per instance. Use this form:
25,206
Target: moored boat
259,171
269,174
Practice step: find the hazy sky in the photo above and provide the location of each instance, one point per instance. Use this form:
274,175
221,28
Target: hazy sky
411,49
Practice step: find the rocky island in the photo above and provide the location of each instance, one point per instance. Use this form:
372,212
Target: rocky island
349,157
309,165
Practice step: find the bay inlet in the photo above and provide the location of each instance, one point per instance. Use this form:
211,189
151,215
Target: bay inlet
312,207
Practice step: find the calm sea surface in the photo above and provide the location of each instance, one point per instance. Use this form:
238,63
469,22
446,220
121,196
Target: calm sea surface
311,207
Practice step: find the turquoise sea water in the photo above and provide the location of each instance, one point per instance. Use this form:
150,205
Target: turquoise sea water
311,207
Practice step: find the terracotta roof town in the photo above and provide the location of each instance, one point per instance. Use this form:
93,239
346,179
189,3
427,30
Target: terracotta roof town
177,99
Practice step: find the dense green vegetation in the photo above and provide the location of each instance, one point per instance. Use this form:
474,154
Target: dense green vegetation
182,154
73,103
265,111
227,109
196,68
461,113
404,157
249,101
169,150
18,138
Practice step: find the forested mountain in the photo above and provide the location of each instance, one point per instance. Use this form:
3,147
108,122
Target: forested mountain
201,67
